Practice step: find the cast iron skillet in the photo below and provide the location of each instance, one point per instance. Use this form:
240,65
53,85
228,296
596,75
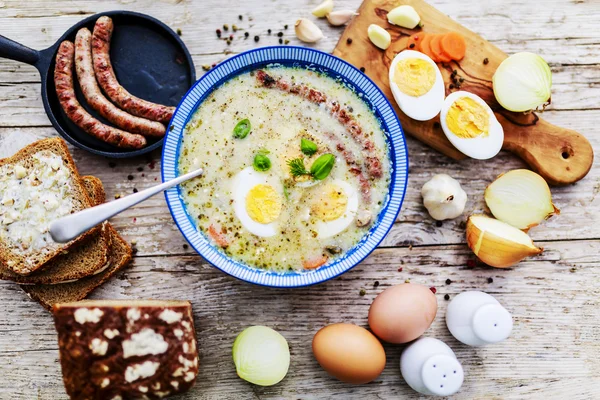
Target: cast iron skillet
149,59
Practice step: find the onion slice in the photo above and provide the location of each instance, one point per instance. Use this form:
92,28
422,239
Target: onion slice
523,82
520,198
498,244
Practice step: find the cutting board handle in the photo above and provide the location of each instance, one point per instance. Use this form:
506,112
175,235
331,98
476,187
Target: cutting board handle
562,156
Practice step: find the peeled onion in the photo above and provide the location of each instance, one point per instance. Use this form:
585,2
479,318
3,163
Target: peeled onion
520,198
261,356
523,82
497,243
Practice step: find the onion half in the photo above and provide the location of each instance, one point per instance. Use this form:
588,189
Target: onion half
498,244
520,198
523,82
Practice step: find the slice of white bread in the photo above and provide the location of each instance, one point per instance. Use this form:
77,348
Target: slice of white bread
84,259
38,183
126,349
48,295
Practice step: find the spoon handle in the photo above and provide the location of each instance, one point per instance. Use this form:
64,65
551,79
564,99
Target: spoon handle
68,228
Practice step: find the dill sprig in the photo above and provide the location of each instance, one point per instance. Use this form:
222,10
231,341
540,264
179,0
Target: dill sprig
297,167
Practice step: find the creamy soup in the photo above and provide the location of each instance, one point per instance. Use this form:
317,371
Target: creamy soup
296,168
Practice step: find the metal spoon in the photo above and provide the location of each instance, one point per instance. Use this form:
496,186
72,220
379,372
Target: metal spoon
68,228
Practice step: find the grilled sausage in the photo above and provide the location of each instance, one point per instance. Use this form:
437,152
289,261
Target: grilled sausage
110,85
63,80
94,97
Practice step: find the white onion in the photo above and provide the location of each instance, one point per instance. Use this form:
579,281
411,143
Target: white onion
261,356
522,82
520,198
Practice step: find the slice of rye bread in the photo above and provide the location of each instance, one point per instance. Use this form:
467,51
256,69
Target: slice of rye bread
25,263
82,260
48,295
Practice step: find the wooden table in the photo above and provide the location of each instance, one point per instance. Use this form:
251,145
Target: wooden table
554,350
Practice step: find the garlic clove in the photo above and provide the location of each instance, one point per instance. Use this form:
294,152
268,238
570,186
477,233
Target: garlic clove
520,198
338,18
497,243
404,16
443,197
379,36
323,9
307,31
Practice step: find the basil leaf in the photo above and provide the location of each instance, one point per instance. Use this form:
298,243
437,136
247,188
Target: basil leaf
261,162
242,129
308,147
322,166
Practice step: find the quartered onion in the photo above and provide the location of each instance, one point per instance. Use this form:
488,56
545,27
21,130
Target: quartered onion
523,82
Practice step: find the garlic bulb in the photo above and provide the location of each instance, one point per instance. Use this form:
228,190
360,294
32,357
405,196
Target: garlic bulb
520,198
443,197
337,18
497,243
323,9
307,31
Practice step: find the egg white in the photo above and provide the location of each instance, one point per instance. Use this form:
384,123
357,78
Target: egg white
326,229
480,148
421,108
243,182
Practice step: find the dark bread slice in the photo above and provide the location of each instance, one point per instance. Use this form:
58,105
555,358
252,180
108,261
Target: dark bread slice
48,295
126,348
84,259
25,264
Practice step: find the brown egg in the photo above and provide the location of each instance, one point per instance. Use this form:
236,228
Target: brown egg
348,352
402,313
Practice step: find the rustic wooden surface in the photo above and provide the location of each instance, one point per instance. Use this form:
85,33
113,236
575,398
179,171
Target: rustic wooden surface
554,351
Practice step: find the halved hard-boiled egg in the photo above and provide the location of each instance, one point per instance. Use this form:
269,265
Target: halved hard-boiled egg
417,85
471,126
257,201
334,208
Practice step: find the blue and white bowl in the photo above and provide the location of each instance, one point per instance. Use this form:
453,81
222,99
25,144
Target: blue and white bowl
297,57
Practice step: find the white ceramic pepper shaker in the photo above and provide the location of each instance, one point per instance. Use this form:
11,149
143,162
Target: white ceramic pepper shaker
430,367
476,319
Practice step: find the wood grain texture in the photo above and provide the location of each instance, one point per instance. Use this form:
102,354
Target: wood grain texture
553,352
561,156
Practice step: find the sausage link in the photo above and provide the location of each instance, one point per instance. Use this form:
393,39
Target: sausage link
110,85
63,80
94,97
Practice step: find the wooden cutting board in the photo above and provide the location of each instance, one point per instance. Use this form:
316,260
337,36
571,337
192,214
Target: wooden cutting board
561,156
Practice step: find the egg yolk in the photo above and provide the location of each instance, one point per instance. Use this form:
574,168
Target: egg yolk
468,119
414,76
331,204
263,204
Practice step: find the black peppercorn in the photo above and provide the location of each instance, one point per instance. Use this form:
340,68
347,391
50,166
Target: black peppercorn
185,246
269,31
436,125
112,164
362,69
240,17
485,61
451,86
446,297
140,169
448,281
438,223
490,280
285,27
376,283
280,41
256,38
246,34
280,34
412,46
130,177
349,41
135,190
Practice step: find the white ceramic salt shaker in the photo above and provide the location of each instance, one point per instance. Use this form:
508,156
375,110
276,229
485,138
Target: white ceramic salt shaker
430,367
476,319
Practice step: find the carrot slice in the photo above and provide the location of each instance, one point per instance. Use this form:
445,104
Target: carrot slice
314,263
415,41
425,49
217,236
436,49
453,46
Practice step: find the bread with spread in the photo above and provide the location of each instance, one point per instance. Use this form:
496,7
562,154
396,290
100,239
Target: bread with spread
38,184
111,349
86,258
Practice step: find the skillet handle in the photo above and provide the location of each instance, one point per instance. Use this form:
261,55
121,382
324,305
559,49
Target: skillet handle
16,51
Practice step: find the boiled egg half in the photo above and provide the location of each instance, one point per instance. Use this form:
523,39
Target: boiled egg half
471,126
417,85
257,201
334,208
